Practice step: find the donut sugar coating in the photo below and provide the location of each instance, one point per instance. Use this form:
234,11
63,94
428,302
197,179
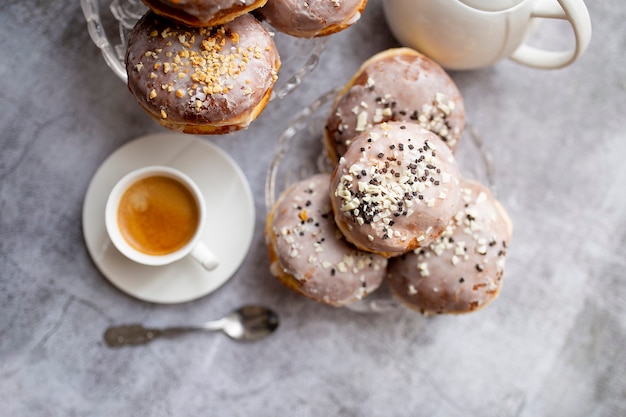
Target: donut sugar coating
203,13
395,189
310,256
462,270
201,80
395,85
309,19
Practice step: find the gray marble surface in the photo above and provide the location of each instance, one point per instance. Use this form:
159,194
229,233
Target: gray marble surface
552,344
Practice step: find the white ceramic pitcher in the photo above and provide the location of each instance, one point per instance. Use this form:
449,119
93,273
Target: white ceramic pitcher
467,34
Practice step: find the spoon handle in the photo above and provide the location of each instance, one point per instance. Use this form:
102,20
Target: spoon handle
136,334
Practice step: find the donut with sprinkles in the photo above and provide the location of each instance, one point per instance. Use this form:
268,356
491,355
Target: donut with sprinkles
309,19
395,189
201,80
398,84
310,256
462,270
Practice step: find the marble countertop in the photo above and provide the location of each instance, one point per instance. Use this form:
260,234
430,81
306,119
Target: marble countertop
552,344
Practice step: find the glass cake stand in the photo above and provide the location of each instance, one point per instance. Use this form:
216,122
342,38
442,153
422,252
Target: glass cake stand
110,21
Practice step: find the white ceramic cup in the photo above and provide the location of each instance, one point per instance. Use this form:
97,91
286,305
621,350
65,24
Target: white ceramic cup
194,246
469,34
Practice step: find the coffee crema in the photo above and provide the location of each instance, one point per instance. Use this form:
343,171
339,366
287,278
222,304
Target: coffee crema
158,215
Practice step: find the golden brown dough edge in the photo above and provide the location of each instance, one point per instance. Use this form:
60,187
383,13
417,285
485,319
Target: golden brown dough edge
277,269
226,126
341,26
220,18
427,312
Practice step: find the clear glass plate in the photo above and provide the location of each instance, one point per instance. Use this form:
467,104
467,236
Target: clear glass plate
110,21
300,154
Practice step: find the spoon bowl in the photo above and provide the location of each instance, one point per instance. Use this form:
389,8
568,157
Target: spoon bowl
250,323
247,323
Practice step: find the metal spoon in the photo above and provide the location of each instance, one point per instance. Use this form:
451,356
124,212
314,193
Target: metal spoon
246,323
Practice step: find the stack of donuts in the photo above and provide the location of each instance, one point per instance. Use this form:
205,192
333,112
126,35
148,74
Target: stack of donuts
396,207
209,66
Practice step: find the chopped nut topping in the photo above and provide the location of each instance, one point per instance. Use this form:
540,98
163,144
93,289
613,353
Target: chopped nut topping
212,69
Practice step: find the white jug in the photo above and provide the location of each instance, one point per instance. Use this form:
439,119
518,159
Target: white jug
468,34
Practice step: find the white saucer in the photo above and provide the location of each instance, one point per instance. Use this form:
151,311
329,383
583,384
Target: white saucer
230,212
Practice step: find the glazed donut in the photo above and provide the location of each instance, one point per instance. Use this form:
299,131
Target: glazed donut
204,80
395,189
309,19
310,256
203,13
462,270
396,84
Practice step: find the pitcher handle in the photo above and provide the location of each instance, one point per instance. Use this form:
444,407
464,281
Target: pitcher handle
573,11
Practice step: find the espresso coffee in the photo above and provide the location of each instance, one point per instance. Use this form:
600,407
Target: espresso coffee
158,215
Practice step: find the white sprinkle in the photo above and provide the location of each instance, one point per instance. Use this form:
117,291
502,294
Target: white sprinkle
460,249
500,263
378,115
354,169
423,269
361,121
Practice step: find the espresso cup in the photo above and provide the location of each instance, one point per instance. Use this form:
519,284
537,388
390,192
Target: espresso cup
469,34
155,216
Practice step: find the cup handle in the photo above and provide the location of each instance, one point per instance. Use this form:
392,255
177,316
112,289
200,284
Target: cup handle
204,256
577,14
